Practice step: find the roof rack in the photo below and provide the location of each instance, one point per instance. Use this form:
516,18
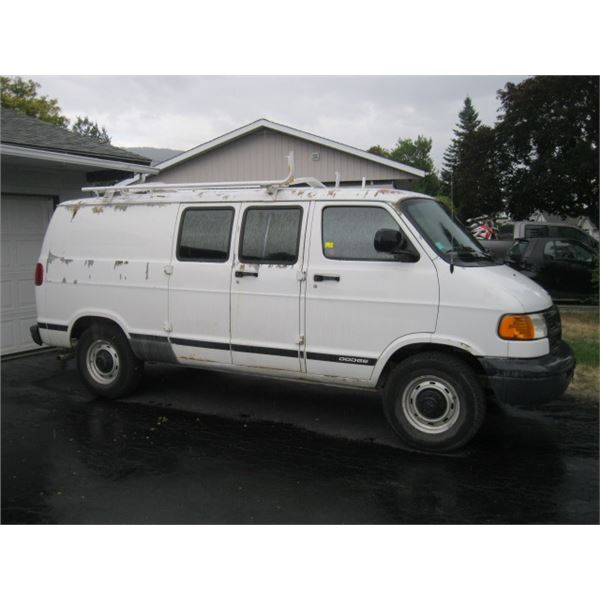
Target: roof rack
270,186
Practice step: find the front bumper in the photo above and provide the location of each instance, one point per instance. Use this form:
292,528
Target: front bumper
531,380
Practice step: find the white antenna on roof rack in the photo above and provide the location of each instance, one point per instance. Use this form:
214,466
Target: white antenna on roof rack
271,186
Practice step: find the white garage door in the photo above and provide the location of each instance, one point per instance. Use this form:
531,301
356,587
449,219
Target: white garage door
24,222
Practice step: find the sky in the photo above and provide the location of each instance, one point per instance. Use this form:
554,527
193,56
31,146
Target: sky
181,112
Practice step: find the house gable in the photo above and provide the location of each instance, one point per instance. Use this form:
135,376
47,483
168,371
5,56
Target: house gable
258,151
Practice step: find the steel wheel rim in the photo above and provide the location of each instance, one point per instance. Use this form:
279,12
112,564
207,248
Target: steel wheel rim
102,361
424,392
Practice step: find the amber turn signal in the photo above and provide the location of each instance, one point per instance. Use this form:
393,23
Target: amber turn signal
522,327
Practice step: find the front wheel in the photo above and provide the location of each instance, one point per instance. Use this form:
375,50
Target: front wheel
106,363
434,401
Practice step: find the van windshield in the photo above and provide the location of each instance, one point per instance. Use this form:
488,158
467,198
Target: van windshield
445,235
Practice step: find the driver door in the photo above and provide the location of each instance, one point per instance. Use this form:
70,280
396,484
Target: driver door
358,300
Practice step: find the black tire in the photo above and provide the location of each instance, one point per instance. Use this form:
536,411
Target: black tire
434,401
106,363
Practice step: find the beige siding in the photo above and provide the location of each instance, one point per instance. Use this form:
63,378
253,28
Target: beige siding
262,155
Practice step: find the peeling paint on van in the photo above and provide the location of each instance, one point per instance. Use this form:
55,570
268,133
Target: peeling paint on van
97,209
88,263
52,257
74,209
120,263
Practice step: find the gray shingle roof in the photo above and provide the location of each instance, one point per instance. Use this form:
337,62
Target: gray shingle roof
22,130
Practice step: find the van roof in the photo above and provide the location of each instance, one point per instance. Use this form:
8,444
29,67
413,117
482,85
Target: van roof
190,195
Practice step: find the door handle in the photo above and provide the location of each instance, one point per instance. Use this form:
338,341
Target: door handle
246,274
326,277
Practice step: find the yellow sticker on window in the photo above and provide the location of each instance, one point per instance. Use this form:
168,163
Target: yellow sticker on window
329,245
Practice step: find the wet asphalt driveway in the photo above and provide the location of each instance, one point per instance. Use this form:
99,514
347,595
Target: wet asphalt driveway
204,447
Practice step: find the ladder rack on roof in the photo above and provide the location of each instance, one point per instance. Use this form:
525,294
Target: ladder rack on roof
270,186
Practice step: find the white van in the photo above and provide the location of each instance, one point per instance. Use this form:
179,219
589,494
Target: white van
370,288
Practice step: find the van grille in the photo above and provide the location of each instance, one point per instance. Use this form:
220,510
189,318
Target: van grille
552,317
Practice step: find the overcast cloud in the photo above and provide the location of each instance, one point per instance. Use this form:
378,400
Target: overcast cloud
182,112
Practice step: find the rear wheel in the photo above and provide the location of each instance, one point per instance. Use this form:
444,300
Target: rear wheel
434,401
106,363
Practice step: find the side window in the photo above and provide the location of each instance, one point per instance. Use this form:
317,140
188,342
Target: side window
518,249
271,235
572,252
205,234
349,232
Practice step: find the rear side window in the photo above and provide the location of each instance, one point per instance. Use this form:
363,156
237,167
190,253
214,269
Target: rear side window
205,234
349,232
271,235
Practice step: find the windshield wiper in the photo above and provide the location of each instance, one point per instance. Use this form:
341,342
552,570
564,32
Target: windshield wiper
469,253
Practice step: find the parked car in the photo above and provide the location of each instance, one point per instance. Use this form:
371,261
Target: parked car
363,288
563,267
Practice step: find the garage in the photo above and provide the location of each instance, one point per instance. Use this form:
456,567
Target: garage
24,222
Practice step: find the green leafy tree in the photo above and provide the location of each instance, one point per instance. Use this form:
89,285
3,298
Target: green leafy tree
547,137
414,153
91,129
417,153
378,151
476,183
18,94
468,122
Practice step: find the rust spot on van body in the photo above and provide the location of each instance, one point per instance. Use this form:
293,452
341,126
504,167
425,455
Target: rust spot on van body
384,191
97,209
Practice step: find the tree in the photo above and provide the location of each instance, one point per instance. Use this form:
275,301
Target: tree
547,137
88,128
468,122
417,154
475,182
378,151
18,94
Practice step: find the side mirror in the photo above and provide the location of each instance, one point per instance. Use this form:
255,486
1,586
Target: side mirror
388,240
393,242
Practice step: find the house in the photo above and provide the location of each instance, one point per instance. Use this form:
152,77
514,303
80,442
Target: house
258,151
41,165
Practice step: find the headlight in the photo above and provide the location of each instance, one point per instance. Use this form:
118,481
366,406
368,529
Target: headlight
523,327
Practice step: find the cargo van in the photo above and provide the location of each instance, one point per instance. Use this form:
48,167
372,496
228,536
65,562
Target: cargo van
356,287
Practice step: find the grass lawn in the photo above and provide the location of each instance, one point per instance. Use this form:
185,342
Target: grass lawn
580,330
